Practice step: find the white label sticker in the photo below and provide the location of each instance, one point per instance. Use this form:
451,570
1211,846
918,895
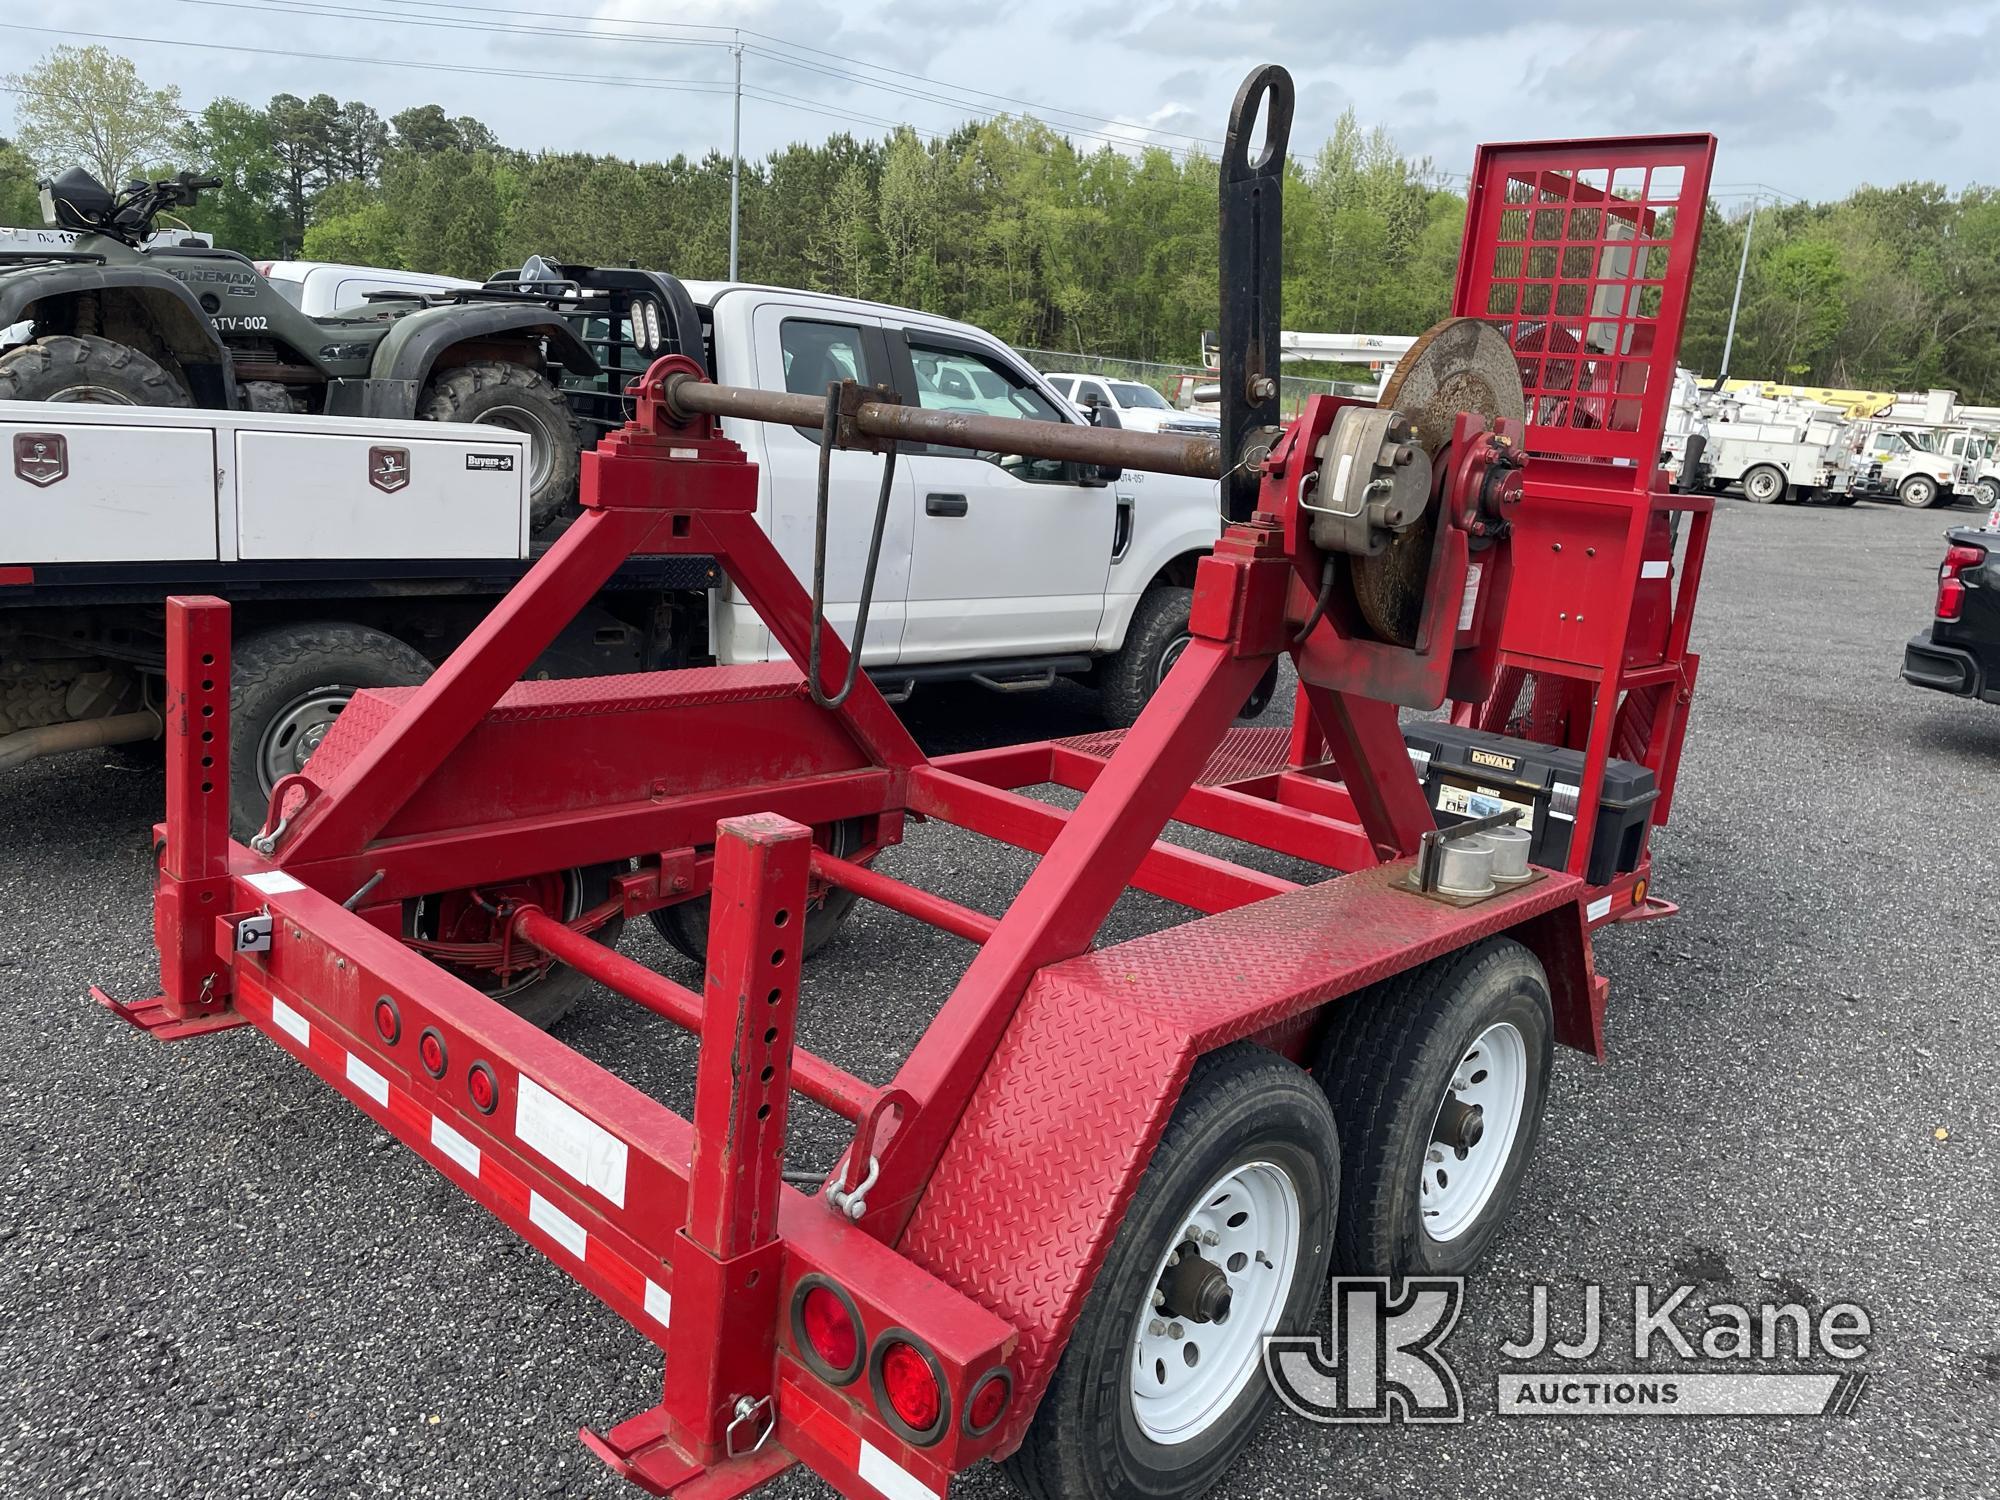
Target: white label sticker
890,1477
1653,570
273,882
1471,601
579,1145
454,1145
1464,802
365,1078
1598,909
659,1303
292,1022
557,1225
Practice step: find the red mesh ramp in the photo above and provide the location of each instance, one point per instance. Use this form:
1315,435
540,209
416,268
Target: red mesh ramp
1582,253
1035,1180
1244,754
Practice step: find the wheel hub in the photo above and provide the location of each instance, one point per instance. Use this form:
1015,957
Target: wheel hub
1195,1289
1459,1125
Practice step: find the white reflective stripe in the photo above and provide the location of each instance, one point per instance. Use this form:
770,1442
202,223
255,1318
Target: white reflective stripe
659,1303
273,882
890,1477
365,1078
292,1022
1601,907
557,1225
454,1145
573,1141
1653,570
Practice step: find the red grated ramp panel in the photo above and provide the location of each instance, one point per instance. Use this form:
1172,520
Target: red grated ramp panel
1244,754
1033,1185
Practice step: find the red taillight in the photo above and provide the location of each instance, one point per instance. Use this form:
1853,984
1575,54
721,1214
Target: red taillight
910,1386
430,1050
989,1400
483,1088
387,1021
829,1329
1951,588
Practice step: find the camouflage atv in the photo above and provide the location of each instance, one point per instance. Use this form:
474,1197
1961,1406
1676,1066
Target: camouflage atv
193,326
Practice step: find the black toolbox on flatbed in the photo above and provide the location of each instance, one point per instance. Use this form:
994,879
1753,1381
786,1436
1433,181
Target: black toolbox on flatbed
1469,773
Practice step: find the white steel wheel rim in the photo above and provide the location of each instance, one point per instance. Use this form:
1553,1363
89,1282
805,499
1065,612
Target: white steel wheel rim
520,419
1763,485
1253,1212
1456,1183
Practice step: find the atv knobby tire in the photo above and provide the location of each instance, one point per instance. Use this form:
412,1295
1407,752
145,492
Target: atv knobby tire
512,396
68,367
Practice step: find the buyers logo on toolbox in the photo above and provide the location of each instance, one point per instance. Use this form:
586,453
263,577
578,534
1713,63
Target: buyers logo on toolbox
1384,1360
41,458
497,463
389,469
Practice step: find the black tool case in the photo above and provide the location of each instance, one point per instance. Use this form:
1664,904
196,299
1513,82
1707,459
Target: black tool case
1469,773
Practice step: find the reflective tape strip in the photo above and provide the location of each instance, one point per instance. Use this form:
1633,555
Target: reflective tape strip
365,1078
455,1146
889,1477
273,882
557,1225
1598,909
1653,570
659,1303
294,1025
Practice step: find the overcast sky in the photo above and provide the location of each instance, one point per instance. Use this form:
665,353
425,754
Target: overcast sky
1809,98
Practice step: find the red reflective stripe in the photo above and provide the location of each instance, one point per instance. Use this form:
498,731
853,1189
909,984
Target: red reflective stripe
17,575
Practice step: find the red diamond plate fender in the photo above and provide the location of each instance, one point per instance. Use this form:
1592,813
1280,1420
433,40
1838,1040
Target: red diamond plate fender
1034,1183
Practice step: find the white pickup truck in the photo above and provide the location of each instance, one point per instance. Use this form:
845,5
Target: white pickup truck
358,553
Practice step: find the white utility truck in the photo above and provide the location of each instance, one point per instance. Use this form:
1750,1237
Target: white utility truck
360,552
1777,450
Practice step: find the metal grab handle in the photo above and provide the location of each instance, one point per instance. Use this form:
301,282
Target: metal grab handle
828,435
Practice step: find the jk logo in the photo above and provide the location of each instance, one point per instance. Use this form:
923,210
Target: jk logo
1383,1360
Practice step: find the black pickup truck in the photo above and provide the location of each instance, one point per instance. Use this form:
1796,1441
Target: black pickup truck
1960,652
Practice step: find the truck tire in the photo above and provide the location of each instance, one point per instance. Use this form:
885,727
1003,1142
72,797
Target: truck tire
1251,1159
1765,484
1420,1193
522,400
95,371
542,998
1986,493
1128,678
685,924
287,685
1919,492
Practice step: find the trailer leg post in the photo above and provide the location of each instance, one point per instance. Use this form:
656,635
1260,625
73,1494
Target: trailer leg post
720,1354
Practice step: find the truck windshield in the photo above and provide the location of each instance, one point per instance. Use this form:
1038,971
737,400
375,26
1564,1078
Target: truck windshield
1129,394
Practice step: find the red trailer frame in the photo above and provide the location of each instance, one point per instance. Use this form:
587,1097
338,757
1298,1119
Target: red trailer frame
1051,1070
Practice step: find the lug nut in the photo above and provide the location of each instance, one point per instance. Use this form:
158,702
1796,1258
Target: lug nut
1157,1327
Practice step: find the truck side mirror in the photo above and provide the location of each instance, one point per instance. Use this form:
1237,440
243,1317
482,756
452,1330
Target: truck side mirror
1102,414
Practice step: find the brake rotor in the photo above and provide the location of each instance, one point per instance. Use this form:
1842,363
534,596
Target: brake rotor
1462,364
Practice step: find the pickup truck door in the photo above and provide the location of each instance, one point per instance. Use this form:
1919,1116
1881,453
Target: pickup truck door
1011,554
804,350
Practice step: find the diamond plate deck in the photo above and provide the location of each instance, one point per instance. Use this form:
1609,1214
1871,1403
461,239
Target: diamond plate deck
1035,1182
1244,754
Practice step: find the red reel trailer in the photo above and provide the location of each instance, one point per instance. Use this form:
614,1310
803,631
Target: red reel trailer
1496,535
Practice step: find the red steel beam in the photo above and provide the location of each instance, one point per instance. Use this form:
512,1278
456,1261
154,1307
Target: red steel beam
960,921
819,1080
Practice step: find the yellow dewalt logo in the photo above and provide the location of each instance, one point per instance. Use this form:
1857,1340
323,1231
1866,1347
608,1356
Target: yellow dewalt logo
1491,758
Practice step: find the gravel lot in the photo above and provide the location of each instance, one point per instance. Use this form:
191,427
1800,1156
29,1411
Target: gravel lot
218,1280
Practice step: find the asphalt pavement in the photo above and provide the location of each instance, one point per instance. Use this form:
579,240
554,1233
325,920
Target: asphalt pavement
217,1279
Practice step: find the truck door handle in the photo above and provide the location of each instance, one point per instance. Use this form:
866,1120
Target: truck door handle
945,505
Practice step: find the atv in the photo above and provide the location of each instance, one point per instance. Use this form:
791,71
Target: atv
186,325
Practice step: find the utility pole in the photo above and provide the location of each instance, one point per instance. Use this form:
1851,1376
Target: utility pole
1729,339
736,167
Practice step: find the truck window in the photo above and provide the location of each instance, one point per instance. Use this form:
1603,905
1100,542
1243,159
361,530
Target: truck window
818,355
1063,385
959,380
1131,394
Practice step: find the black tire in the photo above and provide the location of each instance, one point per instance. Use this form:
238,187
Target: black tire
1845,497
1261,695
522,400
1919,492
1241,1105
1388,1068
685,924
1985,494
65,367
287,685
1765,484
546,999
1154,641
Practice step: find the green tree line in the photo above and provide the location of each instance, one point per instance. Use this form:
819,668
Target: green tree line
1005,223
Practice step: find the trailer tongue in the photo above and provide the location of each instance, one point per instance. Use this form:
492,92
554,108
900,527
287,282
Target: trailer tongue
1060,1232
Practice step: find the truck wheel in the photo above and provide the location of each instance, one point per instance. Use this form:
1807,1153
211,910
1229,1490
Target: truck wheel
1262,694
1153,643
287,686
64,367
1226,1241
1438,1085
1986,493
1764,485
456,928
685,925
1919,492
517,398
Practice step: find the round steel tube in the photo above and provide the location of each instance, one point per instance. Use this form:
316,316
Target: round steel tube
819,1080
948,916
1156,452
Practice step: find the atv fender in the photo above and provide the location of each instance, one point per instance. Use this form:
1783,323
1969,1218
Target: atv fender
417,339
182,325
